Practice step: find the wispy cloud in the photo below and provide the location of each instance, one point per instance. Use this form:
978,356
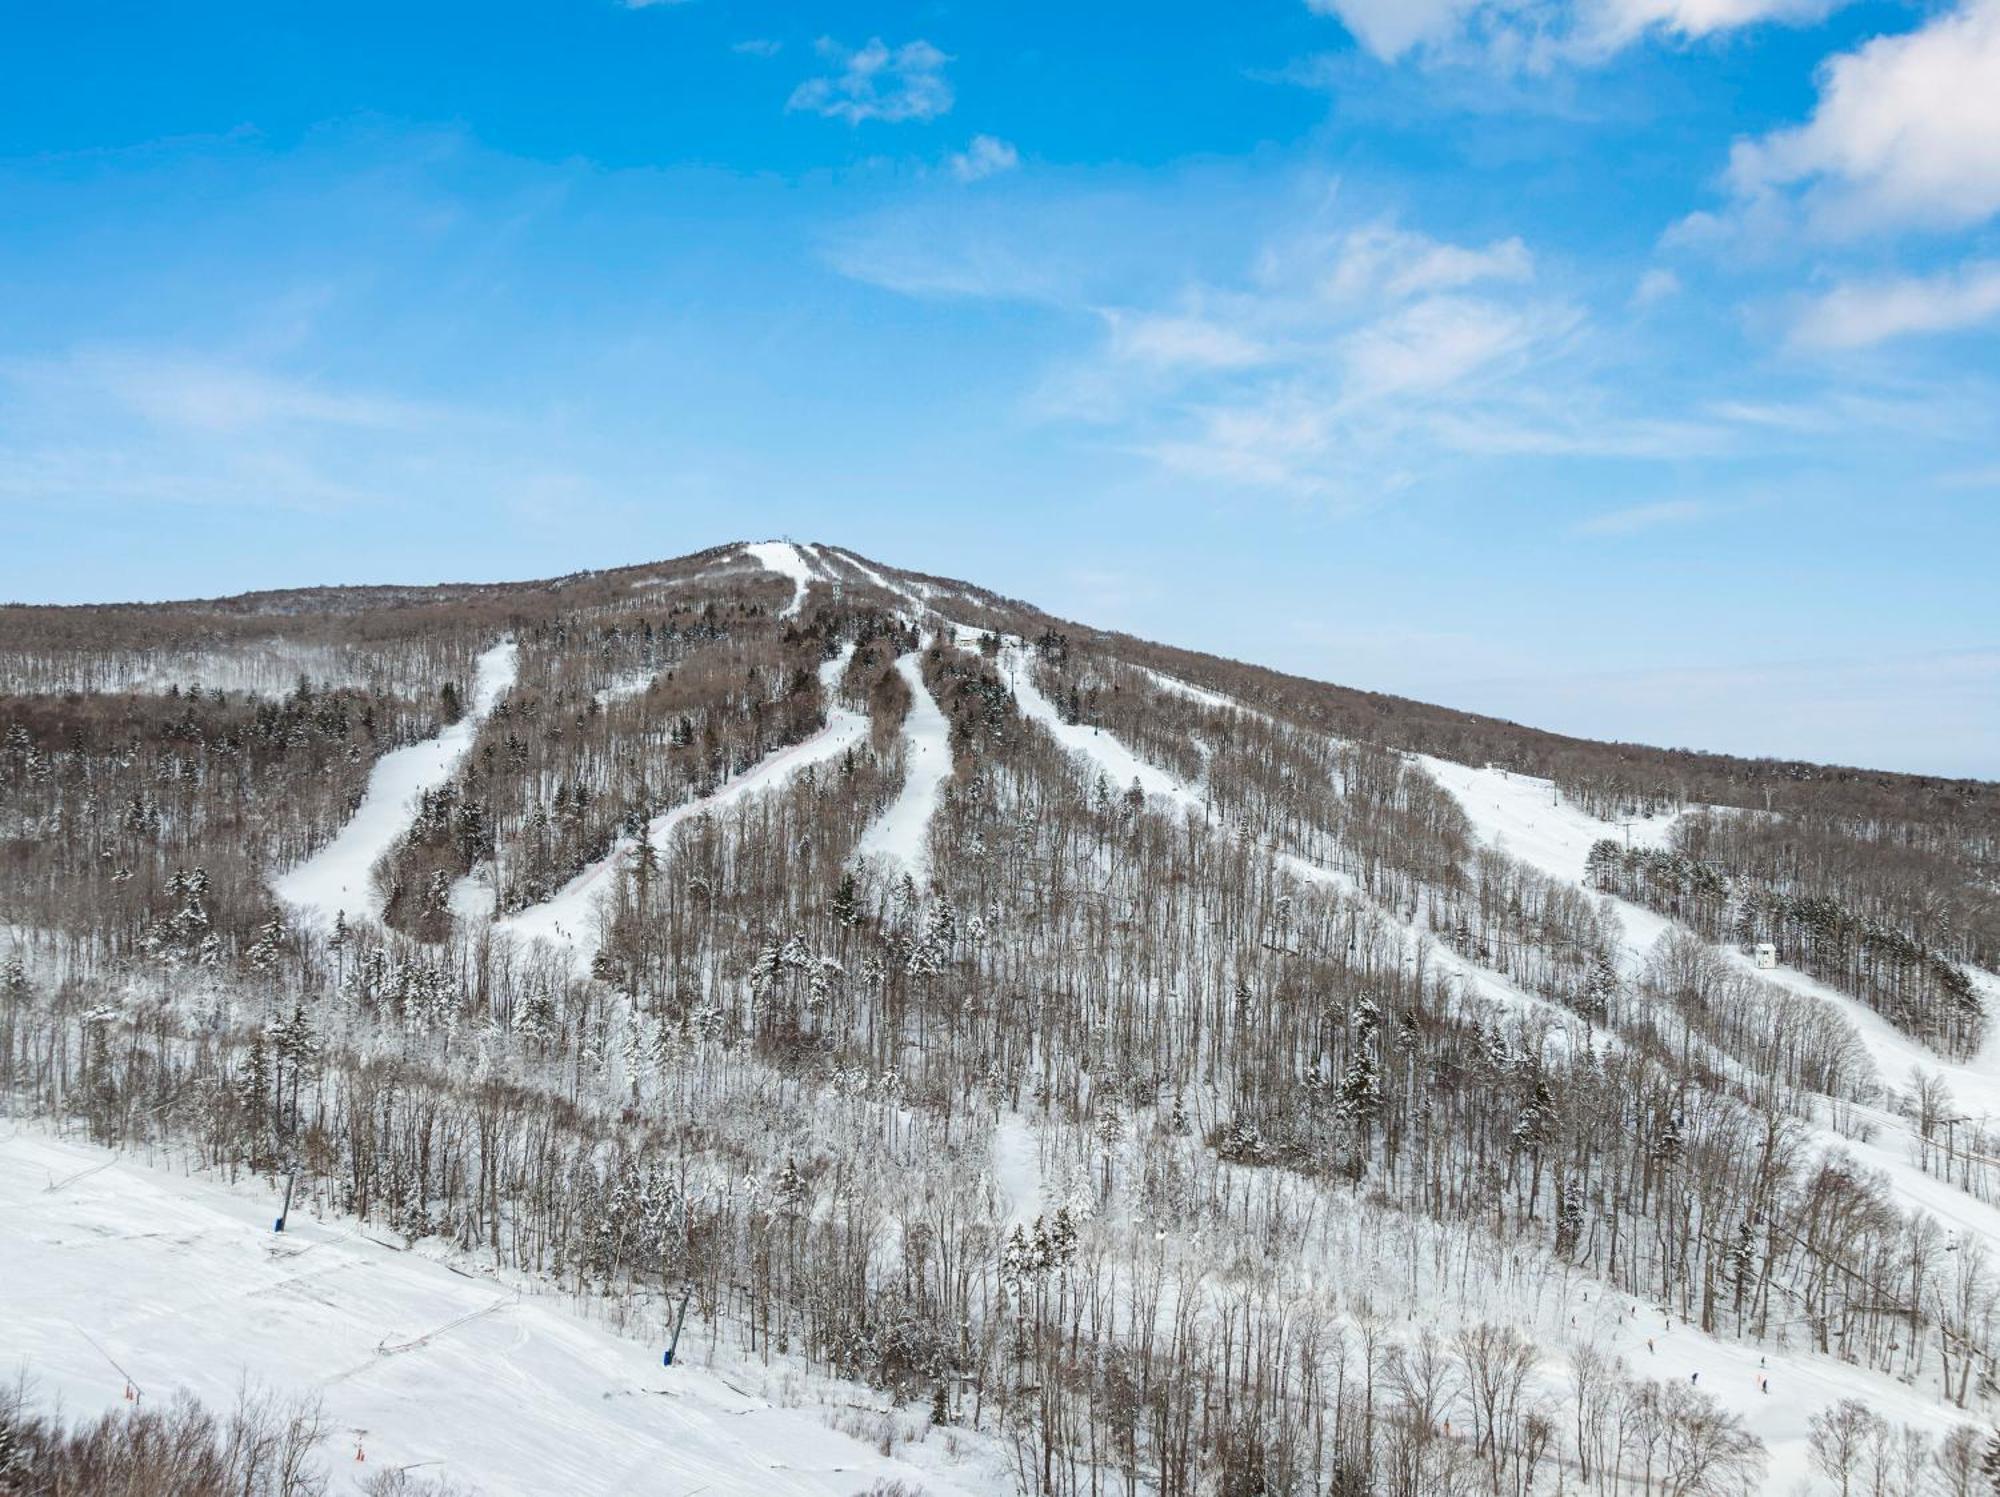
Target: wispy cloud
1540,34
986,156
1858,314
757,46
1341,368
1343,365
878,82
181,428
1658,284
1638,517
197,394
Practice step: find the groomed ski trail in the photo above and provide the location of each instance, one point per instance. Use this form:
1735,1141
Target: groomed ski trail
571,916
787,560
340,876
1522,815
900,836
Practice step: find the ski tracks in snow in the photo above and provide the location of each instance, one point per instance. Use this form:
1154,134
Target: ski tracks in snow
1525,817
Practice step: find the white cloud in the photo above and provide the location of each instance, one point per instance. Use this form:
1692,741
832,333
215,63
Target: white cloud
878,82
1436,343
1657,285
1539,33
1861,313
986,156
757,46
1622,20
1906,132
1389,28
1380,259
1171,340
1638,517
1345,364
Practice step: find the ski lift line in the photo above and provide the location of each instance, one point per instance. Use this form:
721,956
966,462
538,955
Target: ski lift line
138,1392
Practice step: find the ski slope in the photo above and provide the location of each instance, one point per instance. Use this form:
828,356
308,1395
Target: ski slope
1201,695
1522,816
1109,753
787,560
182,1284
571,917
340,876
1527,818
900,836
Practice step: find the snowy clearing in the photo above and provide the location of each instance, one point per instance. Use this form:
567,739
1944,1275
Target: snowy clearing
571,916
1017,1169
340,876
183,1283
631,684
900,836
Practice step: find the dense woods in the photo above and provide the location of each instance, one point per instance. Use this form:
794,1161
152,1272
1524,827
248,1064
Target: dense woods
1272,1135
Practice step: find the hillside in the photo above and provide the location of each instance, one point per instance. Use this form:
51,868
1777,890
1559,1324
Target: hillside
1145,1071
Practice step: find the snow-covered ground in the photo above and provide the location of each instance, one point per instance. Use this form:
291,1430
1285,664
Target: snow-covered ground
339,877
630,684
790,561
900,836
182,1284
1017,1168
1174,686
571,917
1105,750
1525,817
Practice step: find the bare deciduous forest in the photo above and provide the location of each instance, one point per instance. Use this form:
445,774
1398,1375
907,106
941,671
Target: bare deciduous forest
1246,1123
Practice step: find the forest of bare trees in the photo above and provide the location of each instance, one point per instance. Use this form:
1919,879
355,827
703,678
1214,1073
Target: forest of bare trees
1355,1136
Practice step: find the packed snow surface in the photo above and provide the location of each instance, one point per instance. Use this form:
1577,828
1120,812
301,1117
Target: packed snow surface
340,876
1527,818
182,1284
787,560
900,836
1174,686
1119,764
571,916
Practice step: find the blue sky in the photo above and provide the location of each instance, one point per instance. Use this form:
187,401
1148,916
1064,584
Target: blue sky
1623,366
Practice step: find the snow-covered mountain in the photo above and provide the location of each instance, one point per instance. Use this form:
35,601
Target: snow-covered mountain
1038,1059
